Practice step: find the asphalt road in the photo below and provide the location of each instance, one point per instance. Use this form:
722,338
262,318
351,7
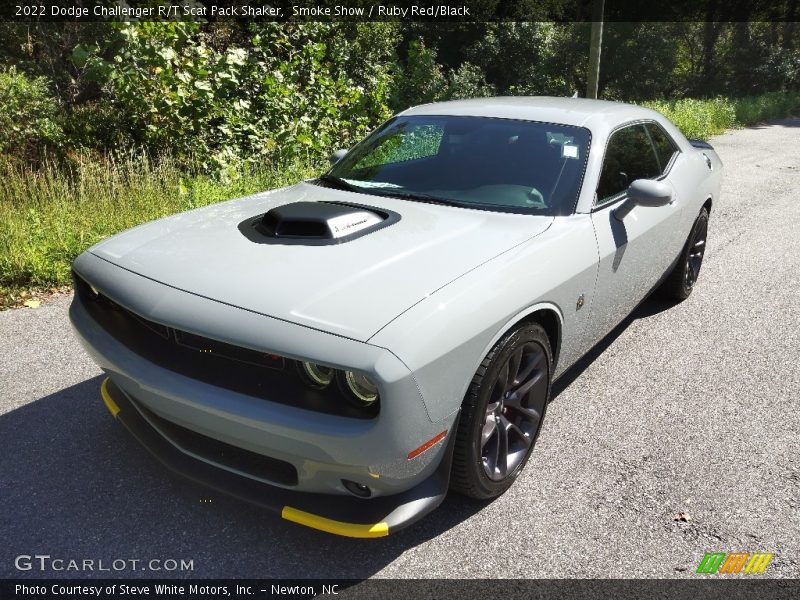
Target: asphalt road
682,409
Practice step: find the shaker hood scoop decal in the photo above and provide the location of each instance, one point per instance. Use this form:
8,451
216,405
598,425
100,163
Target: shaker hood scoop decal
352,223
316,223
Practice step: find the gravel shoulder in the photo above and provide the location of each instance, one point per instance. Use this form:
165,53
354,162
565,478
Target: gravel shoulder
682,409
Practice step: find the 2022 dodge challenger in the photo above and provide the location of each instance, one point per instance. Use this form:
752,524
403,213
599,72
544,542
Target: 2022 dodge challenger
346,349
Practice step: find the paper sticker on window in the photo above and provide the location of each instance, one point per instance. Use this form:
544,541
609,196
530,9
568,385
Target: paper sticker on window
569,151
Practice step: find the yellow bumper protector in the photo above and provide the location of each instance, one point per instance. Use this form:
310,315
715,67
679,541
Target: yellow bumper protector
291,514
336,527
108,400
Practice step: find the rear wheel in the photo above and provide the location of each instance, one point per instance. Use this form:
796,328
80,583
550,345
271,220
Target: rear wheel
502,413
680,282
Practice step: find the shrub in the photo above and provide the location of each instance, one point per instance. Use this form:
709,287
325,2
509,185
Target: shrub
468,82
702,119
421,79
698,119
284,93
29,119
773,105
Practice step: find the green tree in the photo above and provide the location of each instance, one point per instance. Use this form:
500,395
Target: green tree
420,80
30,120
280,91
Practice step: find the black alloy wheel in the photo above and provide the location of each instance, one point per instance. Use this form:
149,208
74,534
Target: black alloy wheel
694,259
683,277
502,413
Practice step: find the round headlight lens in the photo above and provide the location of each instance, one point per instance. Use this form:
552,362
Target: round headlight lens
360,388
316,376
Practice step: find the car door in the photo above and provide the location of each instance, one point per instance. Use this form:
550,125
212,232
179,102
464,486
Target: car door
636,249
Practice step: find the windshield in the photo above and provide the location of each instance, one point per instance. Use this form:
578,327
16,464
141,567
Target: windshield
476,162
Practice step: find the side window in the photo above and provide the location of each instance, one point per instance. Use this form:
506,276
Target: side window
629,156
665,147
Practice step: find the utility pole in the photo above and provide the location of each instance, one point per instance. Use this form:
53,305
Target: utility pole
595,44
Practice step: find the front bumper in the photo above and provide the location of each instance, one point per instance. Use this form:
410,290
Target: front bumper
322,448
337,514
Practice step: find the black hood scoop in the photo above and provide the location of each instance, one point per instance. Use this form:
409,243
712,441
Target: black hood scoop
316,223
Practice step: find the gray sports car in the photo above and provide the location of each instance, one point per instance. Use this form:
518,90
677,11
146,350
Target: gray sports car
346,349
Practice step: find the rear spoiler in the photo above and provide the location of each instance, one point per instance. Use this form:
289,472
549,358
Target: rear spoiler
701,144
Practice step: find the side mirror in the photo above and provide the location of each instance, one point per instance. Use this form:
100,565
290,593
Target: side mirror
337,156
645,192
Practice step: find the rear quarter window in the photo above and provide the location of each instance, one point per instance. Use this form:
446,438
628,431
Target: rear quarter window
665,147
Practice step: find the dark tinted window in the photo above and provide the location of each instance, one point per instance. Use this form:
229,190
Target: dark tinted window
665,148
474,162
629,156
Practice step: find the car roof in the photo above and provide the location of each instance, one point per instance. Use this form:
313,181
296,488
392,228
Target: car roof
547,109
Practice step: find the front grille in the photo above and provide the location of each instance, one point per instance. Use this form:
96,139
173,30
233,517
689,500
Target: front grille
223,454
258,374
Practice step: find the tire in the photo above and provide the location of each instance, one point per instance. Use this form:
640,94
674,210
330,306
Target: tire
494,405
683,277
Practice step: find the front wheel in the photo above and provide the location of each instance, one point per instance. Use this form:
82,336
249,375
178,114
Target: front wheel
502,413
680,282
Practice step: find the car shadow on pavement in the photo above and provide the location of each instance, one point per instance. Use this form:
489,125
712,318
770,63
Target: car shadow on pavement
75,485
648,308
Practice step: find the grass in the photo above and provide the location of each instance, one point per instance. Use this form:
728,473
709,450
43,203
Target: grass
50,215
702,119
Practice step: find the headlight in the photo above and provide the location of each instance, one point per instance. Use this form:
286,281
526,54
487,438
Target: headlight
358,388
316,376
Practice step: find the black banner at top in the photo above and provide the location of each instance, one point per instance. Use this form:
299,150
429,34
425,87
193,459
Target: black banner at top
399,10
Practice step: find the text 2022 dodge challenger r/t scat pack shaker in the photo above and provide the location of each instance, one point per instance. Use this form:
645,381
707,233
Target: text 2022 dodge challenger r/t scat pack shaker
346,349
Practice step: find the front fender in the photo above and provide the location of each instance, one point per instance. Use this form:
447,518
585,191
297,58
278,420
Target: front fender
444,338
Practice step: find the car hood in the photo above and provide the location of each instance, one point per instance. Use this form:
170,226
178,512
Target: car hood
351,289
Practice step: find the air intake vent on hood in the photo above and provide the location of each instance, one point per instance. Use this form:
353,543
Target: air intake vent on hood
317,220
316,223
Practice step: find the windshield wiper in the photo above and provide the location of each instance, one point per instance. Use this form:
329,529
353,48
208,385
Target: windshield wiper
416,196
339,183
421,197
